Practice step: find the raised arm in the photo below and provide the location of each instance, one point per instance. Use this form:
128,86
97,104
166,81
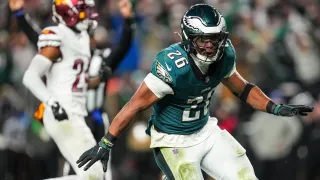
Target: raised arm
16,7
253,96
112,61
119,51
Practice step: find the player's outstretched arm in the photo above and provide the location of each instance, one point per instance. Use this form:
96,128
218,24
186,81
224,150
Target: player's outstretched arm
253,95
141,100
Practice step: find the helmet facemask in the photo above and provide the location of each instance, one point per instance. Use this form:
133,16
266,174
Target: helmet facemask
208,47
87,18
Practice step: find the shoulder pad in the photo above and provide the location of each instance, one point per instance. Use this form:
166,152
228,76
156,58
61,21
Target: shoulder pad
169,63
229,59
49,37
230,51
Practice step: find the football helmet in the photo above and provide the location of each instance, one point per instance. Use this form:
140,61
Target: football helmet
203,31
79,14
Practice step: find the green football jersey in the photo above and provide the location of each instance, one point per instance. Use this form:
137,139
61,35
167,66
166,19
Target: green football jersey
186,111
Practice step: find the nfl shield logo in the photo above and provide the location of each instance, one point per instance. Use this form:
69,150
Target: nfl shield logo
175,151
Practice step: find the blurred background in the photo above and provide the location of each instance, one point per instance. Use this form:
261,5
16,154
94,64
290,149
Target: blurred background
278,48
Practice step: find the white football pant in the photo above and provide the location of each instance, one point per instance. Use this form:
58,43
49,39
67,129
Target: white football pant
73,137
220,156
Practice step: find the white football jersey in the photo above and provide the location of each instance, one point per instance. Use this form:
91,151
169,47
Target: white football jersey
67,79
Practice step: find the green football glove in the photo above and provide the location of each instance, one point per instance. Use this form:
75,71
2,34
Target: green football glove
291,110
98,152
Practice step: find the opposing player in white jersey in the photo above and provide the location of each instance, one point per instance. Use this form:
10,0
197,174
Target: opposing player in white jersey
64,57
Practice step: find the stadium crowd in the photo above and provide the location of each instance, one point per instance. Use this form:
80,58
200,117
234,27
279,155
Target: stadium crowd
278,48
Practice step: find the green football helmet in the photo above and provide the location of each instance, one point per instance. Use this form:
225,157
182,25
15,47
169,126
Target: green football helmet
203,31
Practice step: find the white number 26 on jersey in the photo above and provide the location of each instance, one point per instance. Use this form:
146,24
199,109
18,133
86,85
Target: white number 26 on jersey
179,62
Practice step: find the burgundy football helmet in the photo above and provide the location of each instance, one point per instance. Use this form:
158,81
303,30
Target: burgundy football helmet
71,12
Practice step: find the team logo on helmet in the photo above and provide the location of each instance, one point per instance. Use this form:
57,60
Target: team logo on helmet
194,22
197,24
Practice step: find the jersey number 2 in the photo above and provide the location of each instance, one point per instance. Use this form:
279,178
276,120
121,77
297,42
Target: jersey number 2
199,107
78,65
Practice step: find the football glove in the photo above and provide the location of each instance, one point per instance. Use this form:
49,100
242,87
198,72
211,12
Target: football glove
58,112
291,110
105,72
98,152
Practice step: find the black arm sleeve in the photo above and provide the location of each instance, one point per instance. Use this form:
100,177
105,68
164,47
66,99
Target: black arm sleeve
26,27
119,51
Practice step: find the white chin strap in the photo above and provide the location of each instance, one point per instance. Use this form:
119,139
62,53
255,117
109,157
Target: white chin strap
83,25
94,25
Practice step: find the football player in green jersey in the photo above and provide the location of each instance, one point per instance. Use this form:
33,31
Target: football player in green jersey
179,87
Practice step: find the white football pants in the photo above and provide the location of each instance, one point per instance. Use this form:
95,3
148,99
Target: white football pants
73,137
220,156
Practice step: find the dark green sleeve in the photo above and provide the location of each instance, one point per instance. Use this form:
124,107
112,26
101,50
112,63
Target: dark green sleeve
163,68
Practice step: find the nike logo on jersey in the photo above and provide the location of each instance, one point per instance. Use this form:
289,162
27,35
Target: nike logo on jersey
169,69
